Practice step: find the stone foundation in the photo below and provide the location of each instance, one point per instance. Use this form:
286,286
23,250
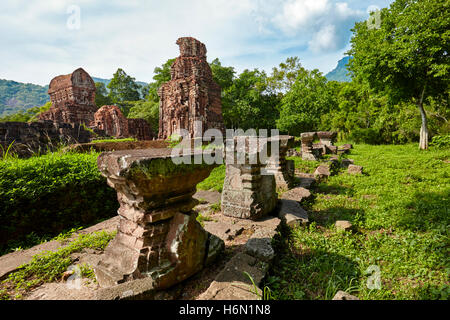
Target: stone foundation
327,139
40,136
308,152
282,169
246,193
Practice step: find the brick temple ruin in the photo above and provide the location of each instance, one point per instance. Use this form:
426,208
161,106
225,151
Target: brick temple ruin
73,101
73,117
73,98
191,95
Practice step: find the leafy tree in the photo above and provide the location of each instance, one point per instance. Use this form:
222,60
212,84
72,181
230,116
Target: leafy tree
407,56
147,110
123,87
101,95
247,104
223,76
283,78
304,104
162,75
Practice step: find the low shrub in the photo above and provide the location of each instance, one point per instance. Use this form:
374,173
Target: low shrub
49,194
367,136
441,141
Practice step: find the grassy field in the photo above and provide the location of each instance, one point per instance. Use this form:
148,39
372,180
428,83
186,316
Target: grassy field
400,210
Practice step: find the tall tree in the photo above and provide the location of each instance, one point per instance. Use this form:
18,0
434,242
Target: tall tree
301,107
161,75
223,76
247,103
283,77
123,87
101,95
407,55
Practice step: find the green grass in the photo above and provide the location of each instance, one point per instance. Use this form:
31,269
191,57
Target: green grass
49,266
400,210
113,140
214,181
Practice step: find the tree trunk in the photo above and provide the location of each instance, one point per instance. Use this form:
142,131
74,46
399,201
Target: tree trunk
423,142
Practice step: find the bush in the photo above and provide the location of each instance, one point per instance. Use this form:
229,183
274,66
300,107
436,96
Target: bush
367,136
441,141
49,194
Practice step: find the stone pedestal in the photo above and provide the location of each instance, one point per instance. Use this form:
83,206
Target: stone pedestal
308,152
327,139
282,169
158,235
248,194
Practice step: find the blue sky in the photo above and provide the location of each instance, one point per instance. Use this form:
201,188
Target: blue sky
44,38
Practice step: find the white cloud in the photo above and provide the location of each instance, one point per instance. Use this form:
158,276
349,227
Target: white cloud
325,21
139,35
324,39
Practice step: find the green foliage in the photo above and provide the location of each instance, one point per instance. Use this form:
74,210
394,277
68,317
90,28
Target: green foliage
215,207
101,95
223,76
30,114
16,97
247,104
123,87
147,110
302,106
161,75
406,58
400,212
51,193
214,181
368,136
283,78
441,141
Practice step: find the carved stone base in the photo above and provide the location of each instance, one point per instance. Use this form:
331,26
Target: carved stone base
158,235
246,193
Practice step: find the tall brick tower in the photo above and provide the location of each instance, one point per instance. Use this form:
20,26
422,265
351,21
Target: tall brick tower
191,94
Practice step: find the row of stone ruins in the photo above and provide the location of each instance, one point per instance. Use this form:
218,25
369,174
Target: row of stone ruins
73,117
191,96
159,242
158,237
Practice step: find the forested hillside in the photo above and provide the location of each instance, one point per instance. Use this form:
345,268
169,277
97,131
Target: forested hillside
16,96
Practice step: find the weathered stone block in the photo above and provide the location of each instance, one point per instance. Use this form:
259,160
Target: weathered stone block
343,225
246,192
354,169
298,194
72,97
158,235
322,172
308,152
282,169
342,295
292,214
111,120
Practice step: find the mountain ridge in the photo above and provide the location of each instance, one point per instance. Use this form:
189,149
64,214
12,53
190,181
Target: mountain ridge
340,73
